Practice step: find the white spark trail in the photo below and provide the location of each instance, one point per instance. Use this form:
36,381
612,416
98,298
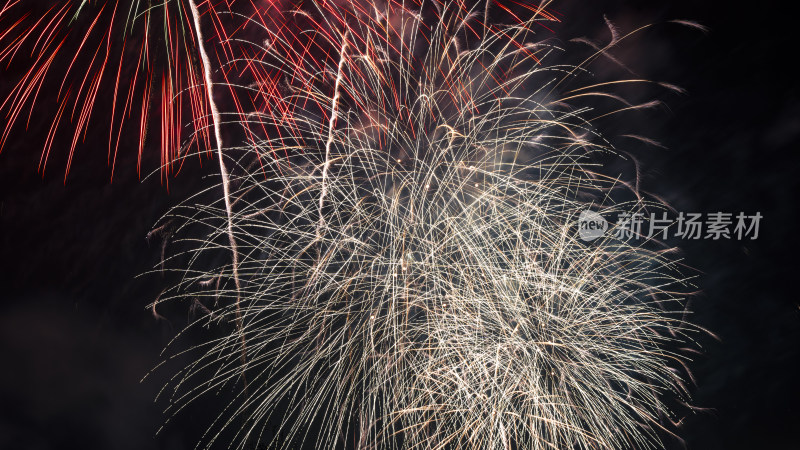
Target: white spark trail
331,131
226,190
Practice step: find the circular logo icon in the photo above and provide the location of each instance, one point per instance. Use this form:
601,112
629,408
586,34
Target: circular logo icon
591,225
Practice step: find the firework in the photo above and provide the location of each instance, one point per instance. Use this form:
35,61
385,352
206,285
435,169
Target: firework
406,269
138,59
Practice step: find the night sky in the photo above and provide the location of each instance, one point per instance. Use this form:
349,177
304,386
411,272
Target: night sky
76,337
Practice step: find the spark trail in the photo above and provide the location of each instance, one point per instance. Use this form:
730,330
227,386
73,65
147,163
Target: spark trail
206,64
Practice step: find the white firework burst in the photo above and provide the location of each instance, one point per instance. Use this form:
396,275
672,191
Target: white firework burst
407,270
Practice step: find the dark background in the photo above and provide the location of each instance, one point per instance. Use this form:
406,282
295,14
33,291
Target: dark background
76,338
